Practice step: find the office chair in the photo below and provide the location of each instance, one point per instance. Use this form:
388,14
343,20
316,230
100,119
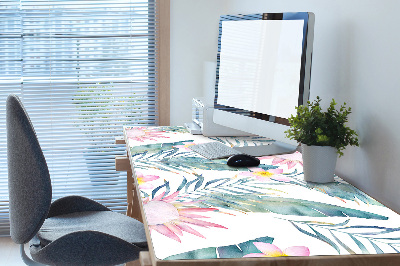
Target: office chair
70,231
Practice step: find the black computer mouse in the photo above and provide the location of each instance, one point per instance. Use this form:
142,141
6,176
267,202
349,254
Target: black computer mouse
242,160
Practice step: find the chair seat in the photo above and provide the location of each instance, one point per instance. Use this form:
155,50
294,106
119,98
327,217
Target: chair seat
108,222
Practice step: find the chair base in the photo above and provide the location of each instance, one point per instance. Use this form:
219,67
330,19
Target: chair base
26,259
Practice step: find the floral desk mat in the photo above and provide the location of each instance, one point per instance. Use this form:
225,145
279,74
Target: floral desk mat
203,209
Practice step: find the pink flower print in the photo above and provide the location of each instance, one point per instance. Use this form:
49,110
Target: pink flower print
144,179
270,250
185,146
266,175
290,160
144,133
171,219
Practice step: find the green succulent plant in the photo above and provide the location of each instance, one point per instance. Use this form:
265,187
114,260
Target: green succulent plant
312,126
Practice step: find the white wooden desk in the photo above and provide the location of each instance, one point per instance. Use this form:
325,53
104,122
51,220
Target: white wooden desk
202,212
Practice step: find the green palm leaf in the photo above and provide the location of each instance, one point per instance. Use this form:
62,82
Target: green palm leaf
318,236
342,233
158,148
344,191
280,205
231,251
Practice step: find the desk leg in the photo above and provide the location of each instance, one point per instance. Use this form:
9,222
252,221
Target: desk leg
144,260
132,198
129,192
133,263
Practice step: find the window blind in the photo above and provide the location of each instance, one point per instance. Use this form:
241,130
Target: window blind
83,69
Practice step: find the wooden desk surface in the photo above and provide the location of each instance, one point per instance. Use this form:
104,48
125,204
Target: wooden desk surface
200,211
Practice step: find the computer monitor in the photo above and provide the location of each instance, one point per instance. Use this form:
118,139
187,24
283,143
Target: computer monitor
263,73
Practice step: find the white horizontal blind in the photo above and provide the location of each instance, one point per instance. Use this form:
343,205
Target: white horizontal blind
83,69
10,82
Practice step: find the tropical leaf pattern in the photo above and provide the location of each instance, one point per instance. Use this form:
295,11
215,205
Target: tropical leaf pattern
285,206
193,202
355,235
343,191
227,252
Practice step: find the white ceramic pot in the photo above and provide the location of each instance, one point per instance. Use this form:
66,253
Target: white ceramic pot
319,163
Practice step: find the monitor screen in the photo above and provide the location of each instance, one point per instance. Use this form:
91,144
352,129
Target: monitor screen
263,71
256,63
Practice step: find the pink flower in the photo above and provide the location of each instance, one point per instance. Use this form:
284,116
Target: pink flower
144,133
290,160
266,175
270,250
171,219
143,179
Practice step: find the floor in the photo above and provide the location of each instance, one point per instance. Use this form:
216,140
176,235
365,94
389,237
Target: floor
10,256
9,253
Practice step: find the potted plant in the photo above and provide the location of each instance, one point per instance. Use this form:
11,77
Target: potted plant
323,136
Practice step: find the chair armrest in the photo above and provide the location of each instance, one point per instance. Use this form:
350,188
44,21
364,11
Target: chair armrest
72,204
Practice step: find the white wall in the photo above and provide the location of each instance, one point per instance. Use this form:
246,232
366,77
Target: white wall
356,60
194,41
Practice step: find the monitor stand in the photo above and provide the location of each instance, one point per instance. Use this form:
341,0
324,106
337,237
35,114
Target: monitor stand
274,148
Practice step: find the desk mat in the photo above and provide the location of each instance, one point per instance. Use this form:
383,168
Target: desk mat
203,209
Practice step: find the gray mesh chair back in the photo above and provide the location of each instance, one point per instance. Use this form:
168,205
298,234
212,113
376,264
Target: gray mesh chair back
28,176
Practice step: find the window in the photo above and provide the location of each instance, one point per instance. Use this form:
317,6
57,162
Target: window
83,69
